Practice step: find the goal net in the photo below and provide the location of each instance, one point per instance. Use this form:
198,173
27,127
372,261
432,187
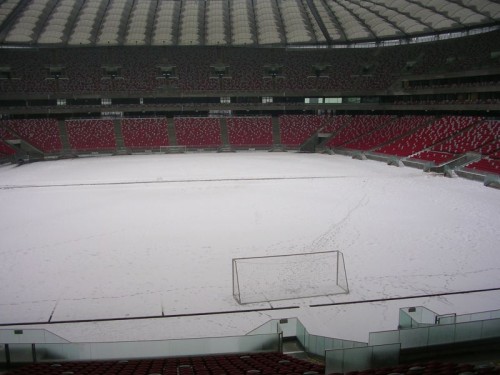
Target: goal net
280,277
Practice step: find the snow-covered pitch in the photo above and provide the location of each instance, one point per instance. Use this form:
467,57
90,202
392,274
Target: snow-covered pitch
154,235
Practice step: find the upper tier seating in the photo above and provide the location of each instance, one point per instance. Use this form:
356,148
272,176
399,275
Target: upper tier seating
348,69
250,131
234,364
360,125
198,132
145,133
392,130
427,136
91,134
40,133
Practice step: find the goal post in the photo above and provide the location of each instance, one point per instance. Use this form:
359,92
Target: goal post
289,276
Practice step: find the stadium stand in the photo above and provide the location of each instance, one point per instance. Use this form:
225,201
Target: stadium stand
41,133
428,368
72,59
437,157
91,135
6,150
359,126
427,136
250,131
198,132
252,363
489,148
362,70
296,129
331,124
495,155
471,139
394,129
486,165
144,133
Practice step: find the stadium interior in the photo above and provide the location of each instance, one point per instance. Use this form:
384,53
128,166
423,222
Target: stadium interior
403,82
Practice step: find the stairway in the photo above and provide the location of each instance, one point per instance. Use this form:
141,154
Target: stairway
277,146
293,348
120,144
172,139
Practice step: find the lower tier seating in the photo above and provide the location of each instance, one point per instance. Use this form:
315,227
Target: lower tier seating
40,133
234,364
486,165
429,368
250,131
428,136
144,132
198,131
6,150
434,156
91,134
296,129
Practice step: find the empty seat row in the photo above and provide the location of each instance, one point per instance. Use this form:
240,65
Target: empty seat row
428,136
144,133
92,134
254,363
360,125
486,165
247,68
198,131
250,131
40,133
392,130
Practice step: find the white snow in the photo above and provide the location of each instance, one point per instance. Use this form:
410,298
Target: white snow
132,236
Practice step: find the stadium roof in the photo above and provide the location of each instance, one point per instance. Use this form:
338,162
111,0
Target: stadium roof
236,22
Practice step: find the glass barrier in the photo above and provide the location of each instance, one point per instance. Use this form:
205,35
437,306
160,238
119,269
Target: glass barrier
29,336
414,317
289,326
491,328
354,359
268,337
314,344
383,338
494,314
438,334
270,326
317,345
22,353
446,319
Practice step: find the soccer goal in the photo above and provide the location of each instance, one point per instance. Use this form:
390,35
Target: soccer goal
172,149
280,277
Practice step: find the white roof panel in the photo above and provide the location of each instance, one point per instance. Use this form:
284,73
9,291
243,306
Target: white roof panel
236,22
